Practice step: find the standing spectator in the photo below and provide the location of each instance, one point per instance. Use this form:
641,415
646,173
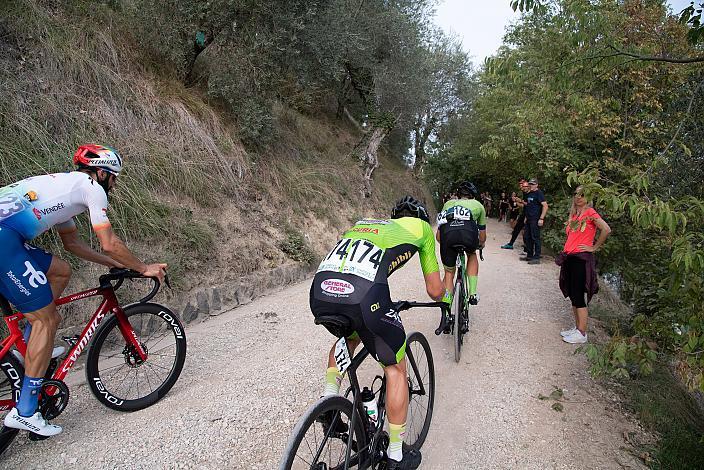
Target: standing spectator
535,210
513,210
577,262
489,201
503,207
520,203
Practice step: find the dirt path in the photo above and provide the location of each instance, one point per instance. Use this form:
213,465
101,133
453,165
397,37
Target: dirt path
251,372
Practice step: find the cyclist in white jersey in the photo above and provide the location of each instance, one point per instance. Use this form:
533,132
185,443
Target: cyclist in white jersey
31,278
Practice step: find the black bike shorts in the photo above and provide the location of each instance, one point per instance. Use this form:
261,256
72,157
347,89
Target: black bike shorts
451,237
374,320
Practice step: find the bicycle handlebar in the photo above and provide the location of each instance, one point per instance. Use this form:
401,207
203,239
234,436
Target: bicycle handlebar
120,274
408,304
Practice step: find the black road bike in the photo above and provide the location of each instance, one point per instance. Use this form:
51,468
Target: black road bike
458,321
337,433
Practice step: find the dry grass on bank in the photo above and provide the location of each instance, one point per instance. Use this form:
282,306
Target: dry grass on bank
191,194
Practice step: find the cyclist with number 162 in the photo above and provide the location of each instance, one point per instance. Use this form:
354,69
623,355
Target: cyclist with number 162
31,278
352,281
462,222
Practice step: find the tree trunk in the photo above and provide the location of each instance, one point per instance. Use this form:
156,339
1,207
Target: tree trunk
343,96
366,151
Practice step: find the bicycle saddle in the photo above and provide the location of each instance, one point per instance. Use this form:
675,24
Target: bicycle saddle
340,326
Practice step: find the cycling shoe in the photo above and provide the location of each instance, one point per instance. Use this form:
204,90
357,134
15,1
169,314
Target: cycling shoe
35,423
411,460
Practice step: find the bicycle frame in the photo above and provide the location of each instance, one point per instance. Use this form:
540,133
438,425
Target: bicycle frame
358,409
107,306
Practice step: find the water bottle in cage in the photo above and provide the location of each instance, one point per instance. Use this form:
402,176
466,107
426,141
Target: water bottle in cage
370,406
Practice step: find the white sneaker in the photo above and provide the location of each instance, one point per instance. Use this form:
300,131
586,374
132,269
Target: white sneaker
36,423
564,333
575,338
56,352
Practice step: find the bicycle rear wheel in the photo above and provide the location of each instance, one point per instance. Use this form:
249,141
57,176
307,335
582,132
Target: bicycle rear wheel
421,384
456,311
10,385
116,375
314,445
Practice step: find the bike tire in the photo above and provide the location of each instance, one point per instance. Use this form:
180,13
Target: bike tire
10,386
456,311
298,443
151,323
421,369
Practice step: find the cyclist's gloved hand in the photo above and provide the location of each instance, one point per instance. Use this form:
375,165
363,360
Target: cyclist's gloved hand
447,298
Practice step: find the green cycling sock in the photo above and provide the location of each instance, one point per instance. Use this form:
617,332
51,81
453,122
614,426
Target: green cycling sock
473,284
333,379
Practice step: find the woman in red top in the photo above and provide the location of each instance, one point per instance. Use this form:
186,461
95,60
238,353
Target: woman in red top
578,266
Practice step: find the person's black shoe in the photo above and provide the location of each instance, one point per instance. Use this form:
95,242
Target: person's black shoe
473,299
411,460
534,261
326,421
525,258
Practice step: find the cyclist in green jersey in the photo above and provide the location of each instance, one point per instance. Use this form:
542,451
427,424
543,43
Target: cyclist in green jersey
462,222
352,281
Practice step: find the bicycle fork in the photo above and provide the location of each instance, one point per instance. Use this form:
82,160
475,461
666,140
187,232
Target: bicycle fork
131,340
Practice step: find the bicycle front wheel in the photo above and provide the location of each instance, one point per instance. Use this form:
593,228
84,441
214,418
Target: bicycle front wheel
117,376
421,388
320,438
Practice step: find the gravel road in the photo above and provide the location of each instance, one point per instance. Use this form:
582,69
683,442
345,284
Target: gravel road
251,372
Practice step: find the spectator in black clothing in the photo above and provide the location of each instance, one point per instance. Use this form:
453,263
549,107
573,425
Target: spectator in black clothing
513,209
503,207
520,202
534,210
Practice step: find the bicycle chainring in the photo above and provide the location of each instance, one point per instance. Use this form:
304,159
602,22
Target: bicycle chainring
54,398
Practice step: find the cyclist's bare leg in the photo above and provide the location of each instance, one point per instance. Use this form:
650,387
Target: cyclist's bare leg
59,274
45,322
449,278
472,265
396,392
472,274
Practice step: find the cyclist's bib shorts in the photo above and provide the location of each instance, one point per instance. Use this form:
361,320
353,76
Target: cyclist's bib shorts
459,223
370,311
451,236
23,279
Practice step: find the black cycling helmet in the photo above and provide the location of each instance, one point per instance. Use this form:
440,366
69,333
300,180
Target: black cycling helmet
467,188
412,207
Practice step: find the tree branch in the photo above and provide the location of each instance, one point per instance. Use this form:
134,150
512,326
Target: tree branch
686,60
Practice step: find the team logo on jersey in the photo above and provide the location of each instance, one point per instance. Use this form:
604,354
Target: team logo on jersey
37,214
54,208
35,277
337,287
375,231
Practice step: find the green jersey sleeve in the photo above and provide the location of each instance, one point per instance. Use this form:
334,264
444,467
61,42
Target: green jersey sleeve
481,220
426,251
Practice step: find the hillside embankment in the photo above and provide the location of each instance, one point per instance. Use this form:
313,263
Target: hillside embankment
220,213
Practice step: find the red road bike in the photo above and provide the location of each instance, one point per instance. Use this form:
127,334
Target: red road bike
135,358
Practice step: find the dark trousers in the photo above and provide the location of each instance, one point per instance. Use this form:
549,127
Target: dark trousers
517,229
531,237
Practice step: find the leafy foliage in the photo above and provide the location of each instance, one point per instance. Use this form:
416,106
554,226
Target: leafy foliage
562,102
